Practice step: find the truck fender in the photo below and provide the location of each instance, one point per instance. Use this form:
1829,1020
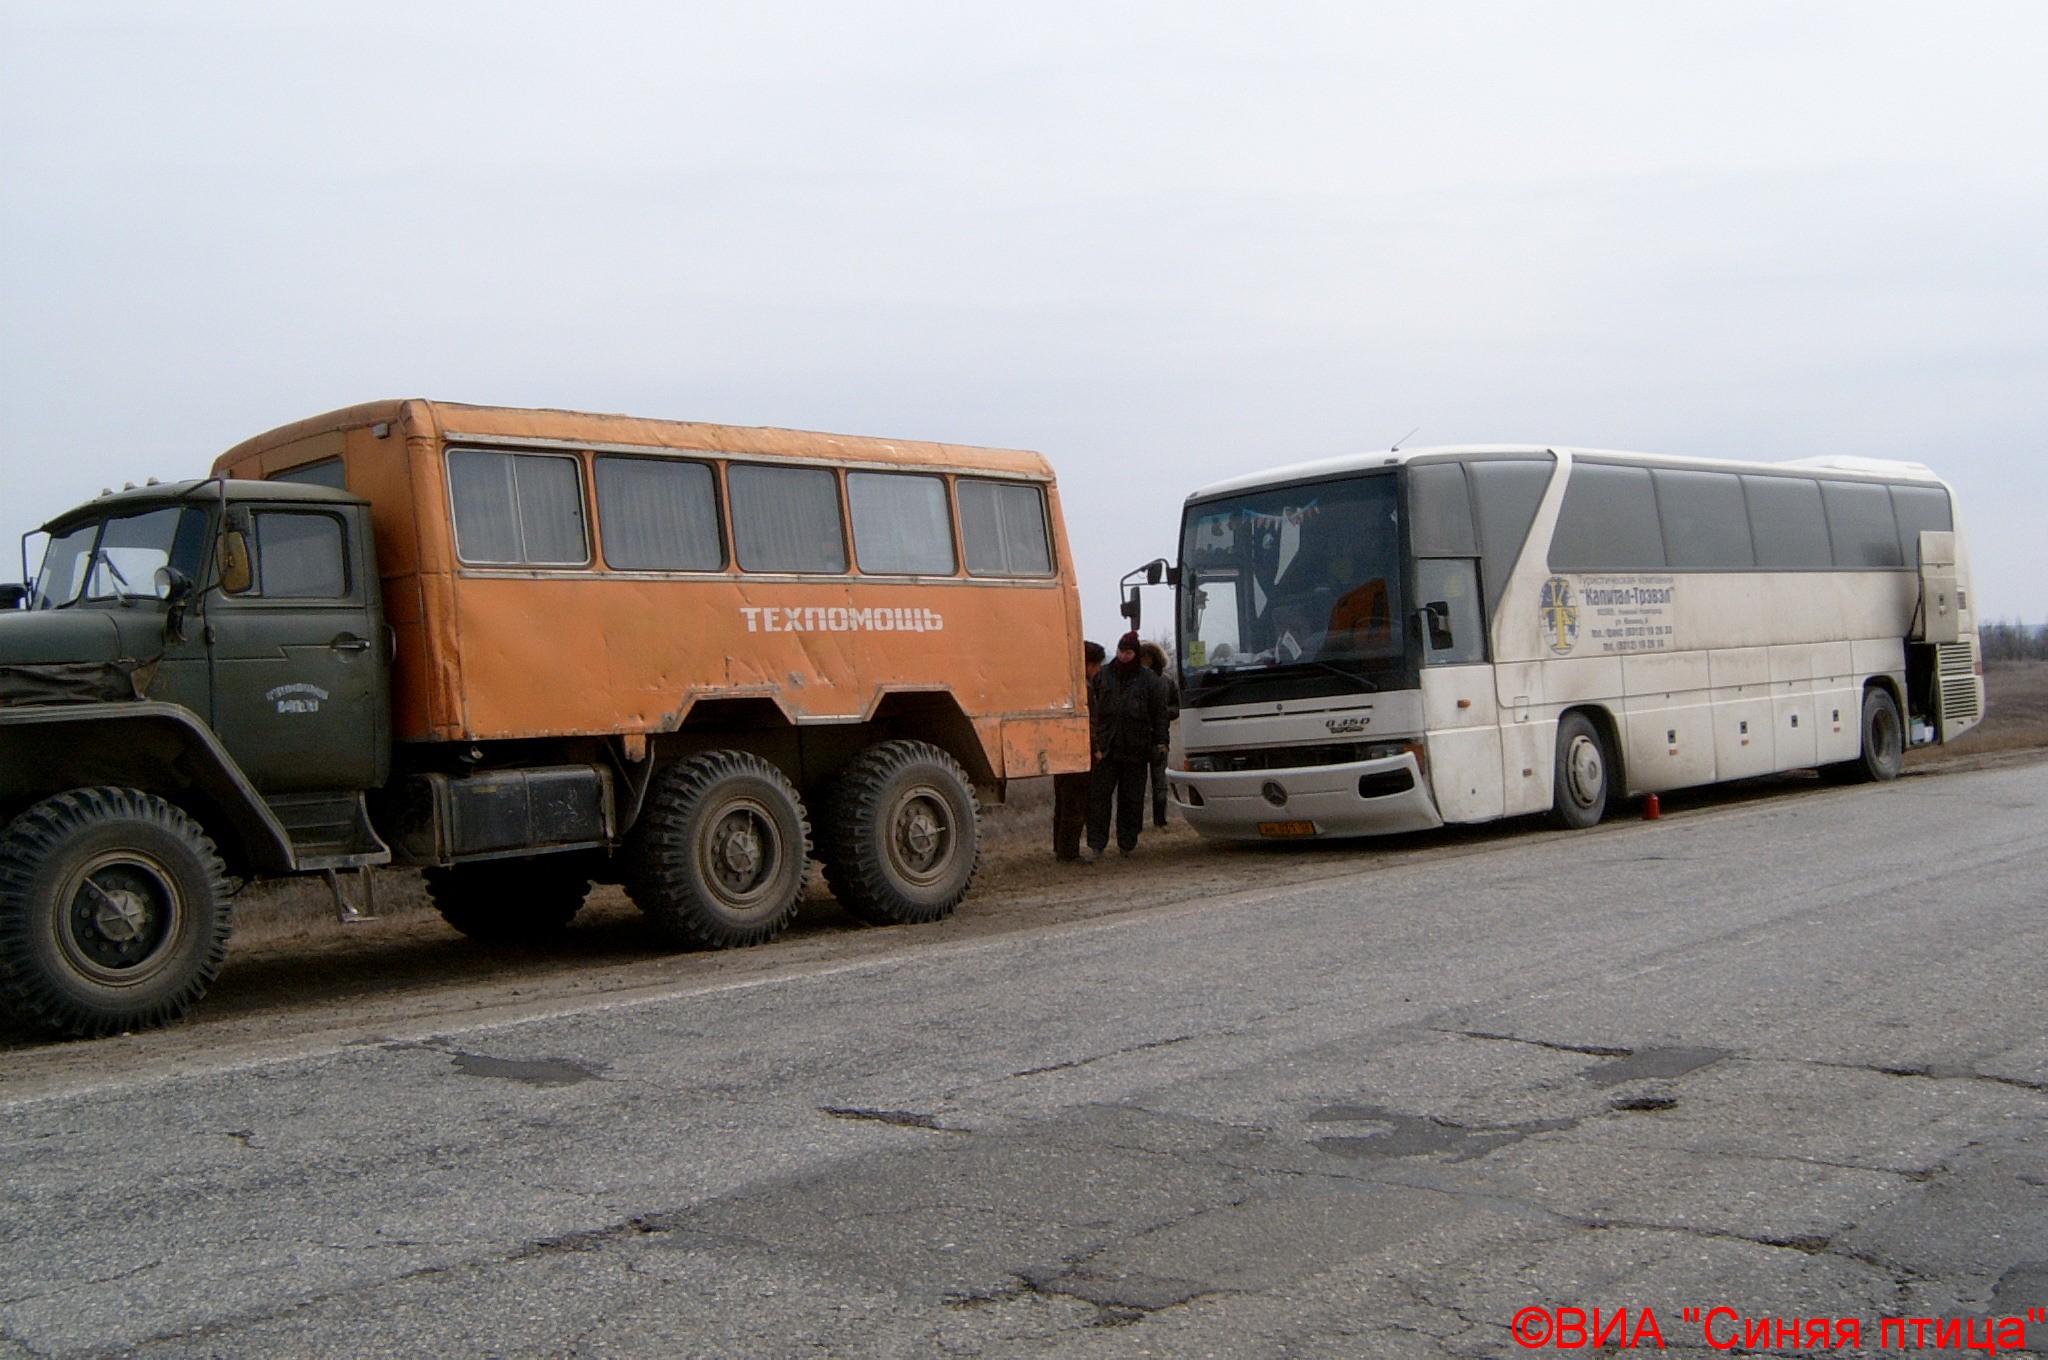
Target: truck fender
157,747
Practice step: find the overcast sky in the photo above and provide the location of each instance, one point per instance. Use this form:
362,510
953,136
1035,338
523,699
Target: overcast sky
1161,243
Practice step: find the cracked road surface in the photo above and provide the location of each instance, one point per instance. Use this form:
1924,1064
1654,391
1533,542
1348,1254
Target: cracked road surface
1785,1056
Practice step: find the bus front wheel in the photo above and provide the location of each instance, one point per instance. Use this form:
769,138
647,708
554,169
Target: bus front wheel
1583,779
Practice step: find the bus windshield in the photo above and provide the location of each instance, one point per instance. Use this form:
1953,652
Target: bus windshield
1303,578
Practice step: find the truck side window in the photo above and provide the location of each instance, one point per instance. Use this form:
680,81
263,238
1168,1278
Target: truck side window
1002,527
658,514
517,509
786,518
299,556
900,523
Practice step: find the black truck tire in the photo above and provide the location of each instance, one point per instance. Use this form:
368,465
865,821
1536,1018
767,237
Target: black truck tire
721,850
511,901
903,834
1585,774
114,913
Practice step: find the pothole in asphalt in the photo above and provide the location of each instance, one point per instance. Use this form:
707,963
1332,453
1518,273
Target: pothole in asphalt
1644,1104
1665,1063
530,1071
1411,1135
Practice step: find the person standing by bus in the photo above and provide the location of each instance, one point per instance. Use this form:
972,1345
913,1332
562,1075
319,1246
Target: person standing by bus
1070,791
1154,657
1127,719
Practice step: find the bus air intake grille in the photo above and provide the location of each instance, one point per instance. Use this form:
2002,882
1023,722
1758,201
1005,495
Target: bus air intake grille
1961,694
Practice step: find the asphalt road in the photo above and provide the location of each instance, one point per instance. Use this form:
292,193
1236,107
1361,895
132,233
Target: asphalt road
1783,1056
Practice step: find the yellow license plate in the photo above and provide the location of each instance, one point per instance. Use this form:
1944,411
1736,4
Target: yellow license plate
1287,828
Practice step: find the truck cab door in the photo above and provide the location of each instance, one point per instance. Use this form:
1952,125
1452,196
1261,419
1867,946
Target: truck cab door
300,683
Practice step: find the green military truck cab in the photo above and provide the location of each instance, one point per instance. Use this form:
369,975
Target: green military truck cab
196,692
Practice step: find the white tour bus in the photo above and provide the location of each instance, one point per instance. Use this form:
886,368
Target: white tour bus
1394,641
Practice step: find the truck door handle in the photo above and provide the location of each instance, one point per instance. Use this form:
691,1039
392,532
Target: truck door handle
350,644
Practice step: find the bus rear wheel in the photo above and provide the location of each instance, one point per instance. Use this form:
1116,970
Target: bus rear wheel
113,913
902,834
720,853
511,901
1582,781
1884,742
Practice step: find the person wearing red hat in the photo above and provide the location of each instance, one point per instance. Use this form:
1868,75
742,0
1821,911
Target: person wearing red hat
1128,721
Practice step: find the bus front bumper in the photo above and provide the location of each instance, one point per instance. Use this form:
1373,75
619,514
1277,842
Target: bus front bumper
1367,798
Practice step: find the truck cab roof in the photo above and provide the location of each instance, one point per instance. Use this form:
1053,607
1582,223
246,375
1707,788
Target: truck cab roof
208,489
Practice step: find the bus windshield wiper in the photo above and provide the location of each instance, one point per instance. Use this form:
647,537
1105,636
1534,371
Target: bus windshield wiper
1280,669
1354,677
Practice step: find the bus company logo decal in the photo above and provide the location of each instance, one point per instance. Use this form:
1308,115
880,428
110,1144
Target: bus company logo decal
1560,614
298,698
835,619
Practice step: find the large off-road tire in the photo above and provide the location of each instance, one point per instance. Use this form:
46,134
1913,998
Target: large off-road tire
720,852
114,913
1884,743
512,901
903,834
1585,774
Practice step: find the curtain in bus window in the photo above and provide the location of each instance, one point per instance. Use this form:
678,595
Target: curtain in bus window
1786,523
658,515
1608,521
1918,509
900,523
299,556
786,518
517,509
1002,526
1860,523
1509,490
1706,525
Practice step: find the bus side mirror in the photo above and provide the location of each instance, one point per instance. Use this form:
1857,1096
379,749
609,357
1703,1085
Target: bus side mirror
13,596
1131,608
1436,619
1155,571
236,577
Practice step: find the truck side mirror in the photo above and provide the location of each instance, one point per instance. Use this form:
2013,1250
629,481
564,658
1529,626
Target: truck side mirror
1131,608
1155,571
13,596
236,574
1436,618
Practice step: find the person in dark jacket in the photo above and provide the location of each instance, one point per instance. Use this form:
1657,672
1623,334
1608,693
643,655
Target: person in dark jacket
1154,657
1127,718
1070,791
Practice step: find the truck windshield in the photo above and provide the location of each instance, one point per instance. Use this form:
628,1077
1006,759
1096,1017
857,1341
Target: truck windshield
117,559
1299,580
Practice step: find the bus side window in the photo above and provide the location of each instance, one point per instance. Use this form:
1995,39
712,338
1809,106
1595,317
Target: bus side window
1002,526
901,524
1509,490
1787,524
517,509
1706,527
1454,583
786,519
1920,508
1860,523
1608,522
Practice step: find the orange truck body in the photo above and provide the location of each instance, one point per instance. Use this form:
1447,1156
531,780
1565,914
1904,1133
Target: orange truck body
988,667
